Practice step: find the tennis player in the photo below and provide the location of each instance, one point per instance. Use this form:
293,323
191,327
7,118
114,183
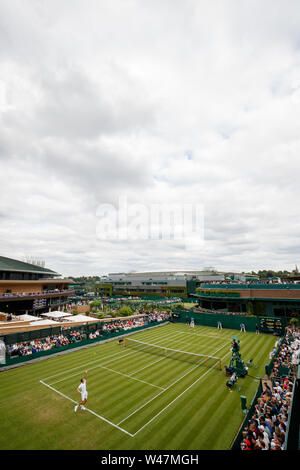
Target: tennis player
83,391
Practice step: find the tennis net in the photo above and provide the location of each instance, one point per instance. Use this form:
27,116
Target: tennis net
176,354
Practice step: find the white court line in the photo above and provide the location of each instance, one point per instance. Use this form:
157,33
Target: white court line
120,355
84,365
192,334
163,337
90,368
155,396
169,404
129,376
87,409
145,367
178,396
167,388
163,390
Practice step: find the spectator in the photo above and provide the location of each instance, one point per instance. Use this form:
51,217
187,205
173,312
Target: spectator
273,407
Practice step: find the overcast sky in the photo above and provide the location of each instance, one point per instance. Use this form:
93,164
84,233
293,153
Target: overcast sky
163,101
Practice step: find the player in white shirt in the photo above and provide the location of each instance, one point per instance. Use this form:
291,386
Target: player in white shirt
83,391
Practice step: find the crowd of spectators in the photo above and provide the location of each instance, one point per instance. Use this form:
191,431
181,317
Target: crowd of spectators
288,357
266,430
126,324
130,323
38,345
158,315
260,281
59,340
94,335
33,294
223,312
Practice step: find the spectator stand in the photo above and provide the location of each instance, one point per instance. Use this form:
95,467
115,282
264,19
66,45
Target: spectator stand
275,409
33,344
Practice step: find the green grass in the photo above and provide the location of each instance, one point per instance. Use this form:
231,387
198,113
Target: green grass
137,401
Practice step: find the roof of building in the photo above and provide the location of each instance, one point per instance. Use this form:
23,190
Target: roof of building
9,264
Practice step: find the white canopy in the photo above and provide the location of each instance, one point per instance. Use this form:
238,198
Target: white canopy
44,322
55,314
82,318
27,317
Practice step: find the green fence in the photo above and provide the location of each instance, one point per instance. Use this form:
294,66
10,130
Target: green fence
239,437
26,336
230,320
212,319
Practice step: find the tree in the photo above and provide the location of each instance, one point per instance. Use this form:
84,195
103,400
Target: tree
125,311
95,303
294,322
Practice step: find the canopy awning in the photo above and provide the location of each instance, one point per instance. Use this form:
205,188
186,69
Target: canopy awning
55,314
81,318
27,317
44,322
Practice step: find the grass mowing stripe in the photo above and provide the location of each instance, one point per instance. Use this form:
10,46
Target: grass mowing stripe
146,367
84,364
129,376
115,409
158,394
87,409
210,395
170,403
90,368
169,388
187,414
180,345
76,355
107,381
111,395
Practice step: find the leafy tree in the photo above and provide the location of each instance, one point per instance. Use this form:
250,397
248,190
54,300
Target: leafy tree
125,311
95,303
294,322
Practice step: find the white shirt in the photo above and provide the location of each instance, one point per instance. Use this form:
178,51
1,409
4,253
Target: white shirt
82,386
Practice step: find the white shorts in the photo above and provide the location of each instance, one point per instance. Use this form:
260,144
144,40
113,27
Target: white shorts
84,396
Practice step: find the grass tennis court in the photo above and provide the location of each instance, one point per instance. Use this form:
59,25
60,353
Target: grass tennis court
137,399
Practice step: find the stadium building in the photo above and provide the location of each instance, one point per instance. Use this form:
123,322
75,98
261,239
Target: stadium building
28,288
157,284
276,300
77,287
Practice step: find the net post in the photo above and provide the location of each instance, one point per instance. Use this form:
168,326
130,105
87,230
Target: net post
220,364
